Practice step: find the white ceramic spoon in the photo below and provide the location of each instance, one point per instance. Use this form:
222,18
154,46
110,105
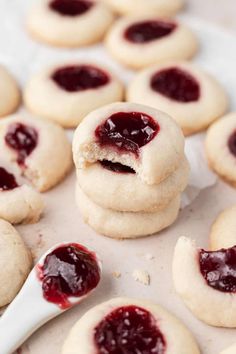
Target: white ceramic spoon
29,310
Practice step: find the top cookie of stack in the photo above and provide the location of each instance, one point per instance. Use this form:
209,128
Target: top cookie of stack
131,169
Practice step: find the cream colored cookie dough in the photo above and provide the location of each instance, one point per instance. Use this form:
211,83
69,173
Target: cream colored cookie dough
45,98
147,7
219,155
49,161
211,306
9,93
51,27
231,350
21,205
193,115
15,262
223,231
180,43
157,160
178,338
126,192
121,225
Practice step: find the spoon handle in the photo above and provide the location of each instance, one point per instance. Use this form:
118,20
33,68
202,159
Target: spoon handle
24,315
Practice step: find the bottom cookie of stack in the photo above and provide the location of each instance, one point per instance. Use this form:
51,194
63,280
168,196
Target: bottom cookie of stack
117,224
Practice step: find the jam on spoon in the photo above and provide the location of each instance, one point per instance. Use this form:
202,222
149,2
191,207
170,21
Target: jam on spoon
70,270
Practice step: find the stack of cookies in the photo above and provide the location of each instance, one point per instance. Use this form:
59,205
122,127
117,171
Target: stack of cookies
131,170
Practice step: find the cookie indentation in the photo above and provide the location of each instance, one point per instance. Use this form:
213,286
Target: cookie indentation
79,78
71,7
129,329
68,271
219,269
23,139
7,180
148,31
176,84
127,131
232,143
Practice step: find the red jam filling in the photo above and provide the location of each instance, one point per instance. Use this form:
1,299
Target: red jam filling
71,7
116,167
176,84
68,271
232,143
127,131
219,269
7,180
23,139
80,78
129,330
148,31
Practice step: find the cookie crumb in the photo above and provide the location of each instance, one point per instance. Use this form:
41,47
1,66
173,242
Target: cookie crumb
116,274
148,256
141,276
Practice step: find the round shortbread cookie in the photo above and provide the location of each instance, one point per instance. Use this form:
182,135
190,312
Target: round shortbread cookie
9,93
143,41
206,282
184,91
231,350
40,149
137,136
121,225
156,330
19,203
221,148
66,93
146,7
107,185
69,23
223,231
15,262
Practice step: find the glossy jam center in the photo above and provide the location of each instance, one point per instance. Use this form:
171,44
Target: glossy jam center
232,143
176,84
219,269
116,167
129,330
80,78
147,31
68,271
23,139
7,180
71,7
127,131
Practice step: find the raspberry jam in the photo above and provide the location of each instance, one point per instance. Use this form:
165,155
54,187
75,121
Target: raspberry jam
176,84
219,269
129,330
232,143
71,7
148,31
68,271
116,167
7,180
80,77
127,131
23,139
